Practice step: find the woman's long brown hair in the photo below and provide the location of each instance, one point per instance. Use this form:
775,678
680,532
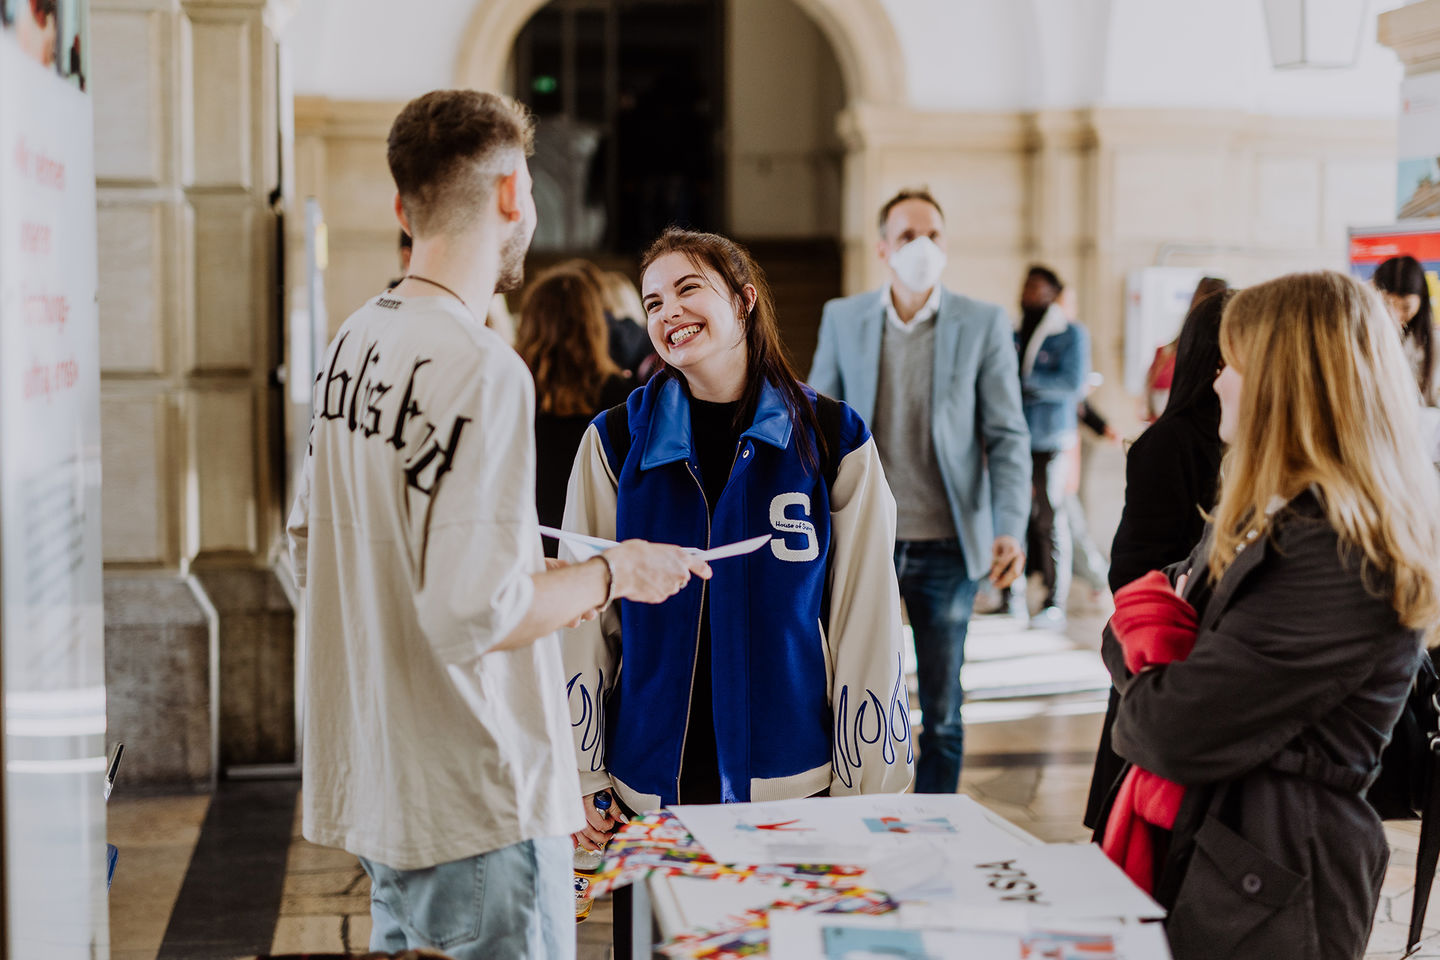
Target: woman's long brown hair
564,341
764,350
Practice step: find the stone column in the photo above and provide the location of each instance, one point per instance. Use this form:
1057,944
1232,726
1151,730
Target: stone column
1413,32
199,633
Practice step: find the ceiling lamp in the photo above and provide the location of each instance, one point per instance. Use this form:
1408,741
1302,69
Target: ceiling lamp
1323,34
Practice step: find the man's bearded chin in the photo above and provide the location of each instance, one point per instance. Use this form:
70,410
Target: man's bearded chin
512,261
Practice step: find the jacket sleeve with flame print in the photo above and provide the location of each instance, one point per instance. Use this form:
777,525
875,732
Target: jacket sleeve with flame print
873,751
591,651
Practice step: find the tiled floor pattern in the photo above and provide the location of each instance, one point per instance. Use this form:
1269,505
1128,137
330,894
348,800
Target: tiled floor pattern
1027,759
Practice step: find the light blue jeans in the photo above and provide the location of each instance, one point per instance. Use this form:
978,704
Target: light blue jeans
515,903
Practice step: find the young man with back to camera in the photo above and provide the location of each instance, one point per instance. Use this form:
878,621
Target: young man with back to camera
437,739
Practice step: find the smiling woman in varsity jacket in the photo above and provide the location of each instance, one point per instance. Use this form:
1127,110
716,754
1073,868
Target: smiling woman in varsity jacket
784,677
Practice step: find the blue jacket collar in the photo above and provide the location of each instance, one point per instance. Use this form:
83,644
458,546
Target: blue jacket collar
669,439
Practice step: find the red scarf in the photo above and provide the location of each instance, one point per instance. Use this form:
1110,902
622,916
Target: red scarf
1154,626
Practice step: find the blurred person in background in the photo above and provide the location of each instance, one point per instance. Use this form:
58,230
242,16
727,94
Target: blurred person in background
1170,476
1159,377
499,318
403,250
565,343
36,28
934,374
1088,562
1313,591
1054,356
627,342
1406,292
625,318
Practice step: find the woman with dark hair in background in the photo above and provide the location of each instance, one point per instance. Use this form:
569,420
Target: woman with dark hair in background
565,343
1170,477
1402,284
1159,379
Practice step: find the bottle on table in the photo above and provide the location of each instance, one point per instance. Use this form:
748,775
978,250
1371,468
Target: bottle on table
587,862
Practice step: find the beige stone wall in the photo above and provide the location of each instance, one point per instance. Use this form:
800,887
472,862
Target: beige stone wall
199,631
340,161
784,89
1413,32
186,159
1098,193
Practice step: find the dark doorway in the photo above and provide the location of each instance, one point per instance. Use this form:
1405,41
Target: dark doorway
629,99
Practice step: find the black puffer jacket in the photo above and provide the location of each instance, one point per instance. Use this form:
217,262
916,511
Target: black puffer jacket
1274,723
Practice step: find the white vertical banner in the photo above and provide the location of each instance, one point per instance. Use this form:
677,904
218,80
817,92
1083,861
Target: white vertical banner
52,655
1418,146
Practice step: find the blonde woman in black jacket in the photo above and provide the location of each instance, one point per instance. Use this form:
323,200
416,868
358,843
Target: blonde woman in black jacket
1315,586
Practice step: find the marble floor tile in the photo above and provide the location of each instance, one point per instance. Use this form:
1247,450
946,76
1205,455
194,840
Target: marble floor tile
156,837
327,883
308,935
356,929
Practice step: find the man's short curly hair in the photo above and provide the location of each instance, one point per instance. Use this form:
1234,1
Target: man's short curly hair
447,149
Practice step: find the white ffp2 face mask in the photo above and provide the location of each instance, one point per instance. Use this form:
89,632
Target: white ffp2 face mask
918,264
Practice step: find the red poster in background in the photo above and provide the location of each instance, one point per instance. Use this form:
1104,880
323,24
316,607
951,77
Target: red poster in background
1372,246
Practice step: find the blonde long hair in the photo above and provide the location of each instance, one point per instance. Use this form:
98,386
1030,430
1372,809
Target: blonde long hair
1328,402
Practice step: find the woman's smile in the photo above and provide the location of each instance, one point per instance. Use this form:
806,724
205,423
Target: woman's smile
683,333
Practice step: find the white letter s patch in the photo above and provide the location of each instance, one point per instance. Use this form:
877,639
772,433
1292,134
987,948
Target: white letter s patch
785,525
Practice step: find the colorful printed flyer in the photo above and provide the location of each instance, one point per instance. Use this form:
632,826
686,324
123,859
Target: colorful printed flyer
863,830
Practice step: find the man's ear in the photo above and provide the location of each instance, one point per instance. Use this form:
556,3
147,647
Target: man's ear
400,215
880,251
507,197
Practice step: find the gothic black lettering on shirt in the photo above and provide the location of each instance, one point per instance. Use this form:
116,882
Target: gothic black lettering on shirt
356,400
373,394
331,406
408,408
430,464
359,384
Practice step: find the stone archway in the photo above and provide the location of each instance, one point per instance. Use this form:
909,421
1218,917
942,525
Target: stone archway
866,48
859,31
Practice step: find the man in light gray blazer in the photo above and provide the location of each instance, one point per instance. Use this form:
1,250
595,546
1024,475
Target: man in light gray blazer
935,376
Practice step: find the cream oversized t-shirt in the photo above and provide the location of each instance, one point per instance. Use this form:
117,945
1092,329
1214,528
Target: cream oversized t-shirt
415,535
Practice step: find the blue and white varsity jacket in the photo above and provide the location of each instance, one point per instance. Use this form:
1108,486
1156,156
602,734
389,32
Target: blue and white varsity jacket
809,685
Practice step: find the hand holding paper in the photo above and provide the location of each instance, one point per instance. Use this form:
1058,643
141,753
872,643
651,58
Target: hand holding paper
651,572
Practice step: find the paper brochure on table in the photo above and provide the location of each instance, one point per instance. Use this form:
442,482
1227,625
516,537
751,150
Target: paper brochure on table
810,936
745,932
1051,880
864,830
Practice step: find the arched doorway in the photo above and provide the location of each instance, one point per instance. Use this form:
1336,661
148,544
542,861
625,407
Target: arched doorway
859,31
631,103
773,171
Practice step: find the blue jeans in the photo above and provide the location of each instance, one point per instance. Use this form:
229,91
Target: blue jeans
515,903
939,596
